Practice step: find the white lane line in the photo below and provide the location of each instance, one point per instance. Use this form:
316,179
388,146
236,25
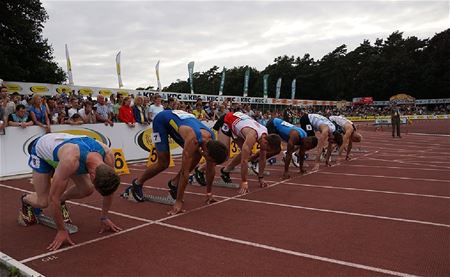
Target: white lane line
408,163
347,213
395,167
286,251
389,177
85,243
425,134
370,190
23,269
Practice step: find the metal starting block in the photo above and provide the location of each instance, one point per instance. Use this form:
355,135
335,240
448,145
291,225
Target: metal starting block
222,184
49,222
166,200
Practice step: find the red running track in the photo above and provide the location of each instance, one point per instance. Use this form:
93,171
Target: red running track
386,212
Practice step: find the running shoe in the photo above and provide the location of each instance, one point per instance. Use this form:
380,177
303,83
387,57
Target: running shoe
272,161
173,190
65,213
199,177
225,175
136,191
254,166
26,214
295,160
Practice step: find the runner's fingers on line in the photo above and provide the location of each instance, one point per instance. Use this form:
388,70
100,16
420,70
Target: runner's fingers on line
108,225
175,211
60,238
243,190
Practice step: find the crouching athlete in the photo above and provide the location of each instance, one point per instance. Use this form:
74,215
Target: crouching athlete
78,164
295,137
197,141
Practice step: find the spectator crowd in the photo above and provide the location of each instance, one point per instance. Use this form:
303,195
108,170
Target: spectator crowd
43,111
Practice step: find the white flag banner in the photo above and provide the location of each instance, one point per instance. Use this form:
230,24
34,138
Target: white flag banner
278,91
191,75
69,67
157,76
119,76
293,87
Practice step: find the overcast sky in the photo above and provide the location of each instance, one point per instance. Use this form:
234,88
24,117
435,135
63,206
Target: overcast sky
225,33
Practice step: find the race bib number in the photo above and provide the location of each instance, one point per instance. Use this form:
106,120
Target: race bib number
309,127
287,124
234,149
120,163
225,128
156,137
183,114
35,161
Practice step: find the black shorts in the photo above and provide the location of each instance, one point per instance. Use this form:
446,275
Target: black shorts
306,125
271,127
220,125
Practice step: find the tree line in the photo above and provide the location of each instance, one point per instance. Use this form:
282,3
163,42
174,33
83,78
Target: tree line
419,67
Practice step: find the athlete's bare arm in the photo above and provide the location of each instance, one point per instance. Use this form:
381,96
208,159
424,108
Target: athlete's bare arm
250,139
322,141
262,161
293,139
69,156
189,155
106,223
210,173
346,139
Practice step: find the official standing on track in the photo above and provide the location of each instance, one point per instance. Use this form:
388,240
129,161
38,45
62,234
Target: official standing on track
395,121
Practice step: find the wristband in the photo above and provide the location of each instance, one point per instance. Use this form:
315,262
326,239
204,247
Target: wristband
260,177
103,218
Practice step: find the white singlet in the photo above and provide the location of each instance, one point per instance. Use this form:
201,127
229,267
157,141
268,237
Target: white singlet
250,123
317,120
340,120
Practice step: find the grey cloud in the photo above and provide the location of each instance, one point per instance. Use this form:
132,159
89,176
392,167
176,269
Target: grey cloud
218,33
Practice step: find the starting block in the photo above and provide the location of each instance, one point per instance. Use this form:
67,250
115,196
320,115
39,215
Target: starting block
166,200
49,222
221,183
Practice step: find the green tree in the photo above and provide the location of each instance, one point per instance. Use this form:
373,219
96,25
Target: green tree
24,54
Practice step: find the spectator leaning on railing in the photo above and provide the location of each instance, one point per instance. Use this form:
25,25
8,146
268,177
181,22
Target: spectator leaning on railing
20,118
102,111
38,113
126,113
139,111
199,112
156,108
87,113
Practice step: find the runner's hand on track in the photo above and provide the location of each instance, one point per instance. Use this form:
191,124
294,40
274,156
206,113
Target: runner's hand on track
286,176
60,238
108,225
210,199
243,189
348,158
262,184
177,208
303,171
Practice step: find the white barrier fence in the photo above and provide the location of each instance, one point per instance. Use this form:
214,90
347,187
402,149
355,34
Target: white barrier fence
15,144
